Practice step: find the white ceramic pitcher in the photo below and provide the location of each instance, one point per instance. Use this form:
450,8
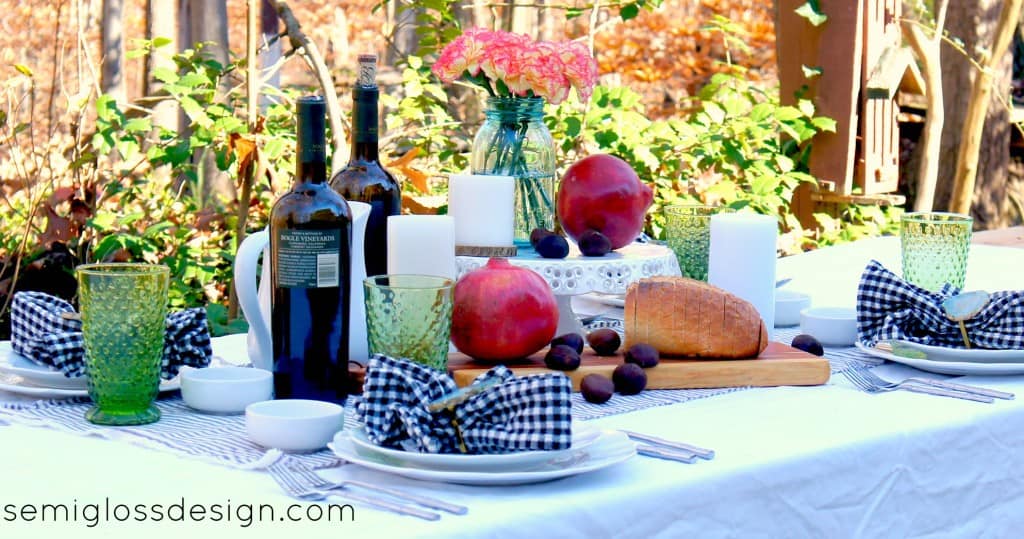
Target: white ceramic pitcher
255,303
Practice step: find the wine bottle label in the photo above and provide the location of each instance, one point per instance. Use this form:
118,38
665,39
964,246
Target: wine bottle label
308,258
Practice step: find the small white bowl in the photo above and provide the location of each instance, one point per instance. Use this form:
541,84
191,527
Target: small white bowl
294,425
225,390
788,304
832,326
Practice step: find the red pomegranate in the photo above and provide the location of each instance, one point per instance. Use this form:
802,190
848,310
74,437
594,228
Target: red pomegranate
603,193
503,312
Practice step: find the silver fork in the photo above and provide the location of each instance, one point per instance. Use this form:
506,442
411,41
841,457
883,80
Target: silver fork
872,377
314,480
297,487
870,383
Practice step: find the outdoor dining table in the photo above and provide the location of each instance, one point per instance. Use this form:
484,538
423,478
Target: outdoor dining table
822,461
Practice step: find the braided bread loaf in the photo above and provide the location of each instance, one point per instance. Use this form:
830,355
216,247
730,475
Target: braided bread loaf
687,318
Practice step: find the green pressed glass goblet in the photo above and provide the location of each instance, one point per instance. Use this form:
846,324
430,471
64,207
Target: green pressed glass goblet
123,309
410,316
934,246
688,234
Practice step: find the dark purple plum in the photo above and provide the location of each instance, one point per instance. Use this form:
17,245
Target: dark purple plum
594,243
538,234
553,246
604,341
562,358
642,354
629,379
808,344
572,340
597,388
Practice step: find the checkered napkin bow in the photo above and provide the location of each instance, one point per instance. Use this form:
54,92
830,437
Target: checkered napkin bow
526,413
890,308
40,332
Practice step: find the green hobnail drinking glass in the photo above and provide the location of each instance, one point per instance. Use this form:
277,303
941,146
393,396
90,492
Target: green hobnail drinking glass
934,246
688,234
410,316
123,308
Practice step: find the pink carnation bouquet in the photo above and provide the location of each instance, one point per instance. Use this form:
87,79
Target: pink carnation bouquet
519,74
507,64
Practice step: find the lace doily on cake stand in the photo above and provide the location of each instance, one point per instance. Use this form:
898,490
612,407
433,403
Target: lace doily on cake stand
578,274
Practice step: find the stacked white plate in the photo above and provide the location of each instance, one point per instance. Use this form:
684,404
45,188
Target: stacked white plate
954,361
20,375
591,450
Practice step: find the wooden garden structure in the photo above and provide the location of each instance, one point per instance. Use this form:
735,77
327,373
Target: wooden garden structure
863,65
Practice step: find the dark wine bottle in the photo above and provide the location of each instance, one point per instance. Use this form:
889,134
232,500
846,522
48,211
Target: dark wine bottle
310,268
364,179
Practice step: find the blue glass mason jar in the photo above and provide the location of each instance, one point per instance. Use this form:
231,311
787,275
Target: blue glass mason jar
514,141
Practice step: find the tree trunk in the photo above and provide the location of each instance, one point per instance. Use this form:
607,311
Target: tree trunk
111,30
928,49
527,19
208,22
973,22
404,40
269,28
162,22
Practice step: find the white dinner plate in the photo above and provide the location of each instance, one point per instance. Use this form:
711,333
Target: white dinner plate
17,384
18,365
583,437
962,355
958,362
609,449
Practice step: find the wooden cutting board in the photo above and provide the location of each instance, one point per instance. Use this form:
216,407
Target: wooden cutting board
778,365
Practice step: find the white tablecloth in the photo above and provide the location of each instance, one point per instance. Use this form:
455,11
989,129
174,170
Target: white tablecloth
825,461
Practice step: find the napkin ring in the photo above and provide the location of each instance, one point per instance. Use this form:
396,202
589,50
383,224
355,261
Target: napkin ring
450,401
458,433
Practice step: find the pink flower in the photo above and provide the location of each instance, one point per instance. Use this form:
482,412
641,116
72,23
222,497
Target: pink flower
544,71
463,55
521,66
580,67
503,61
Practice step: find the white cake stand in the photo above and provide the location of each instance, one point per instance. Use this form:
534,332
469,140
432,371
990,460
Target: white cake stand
578,274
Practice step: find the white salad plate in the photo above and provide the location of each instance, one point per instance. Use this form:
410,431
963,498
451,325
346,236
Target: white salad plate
957,361
608,449
19,375
583,437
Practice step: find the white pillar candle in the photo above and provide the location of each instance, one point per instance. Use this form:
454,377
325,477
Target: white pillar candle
483,209
421,245
742,259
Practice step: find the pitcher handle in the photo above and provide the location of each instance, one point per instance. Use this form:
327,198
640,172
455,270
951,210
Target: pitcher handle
246,264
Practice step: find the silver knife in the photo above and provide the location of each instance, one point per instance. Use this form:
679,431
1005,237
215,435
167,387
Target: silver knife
938,391
666,454
706,454
994,393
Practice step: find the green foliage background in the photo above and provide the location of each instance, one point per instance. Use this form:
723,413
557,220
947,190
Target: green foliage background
132,191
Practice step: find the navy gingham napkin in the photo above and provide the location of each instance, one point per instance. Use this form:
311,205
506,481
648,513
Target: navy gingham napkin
889,308
528,413
40,333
